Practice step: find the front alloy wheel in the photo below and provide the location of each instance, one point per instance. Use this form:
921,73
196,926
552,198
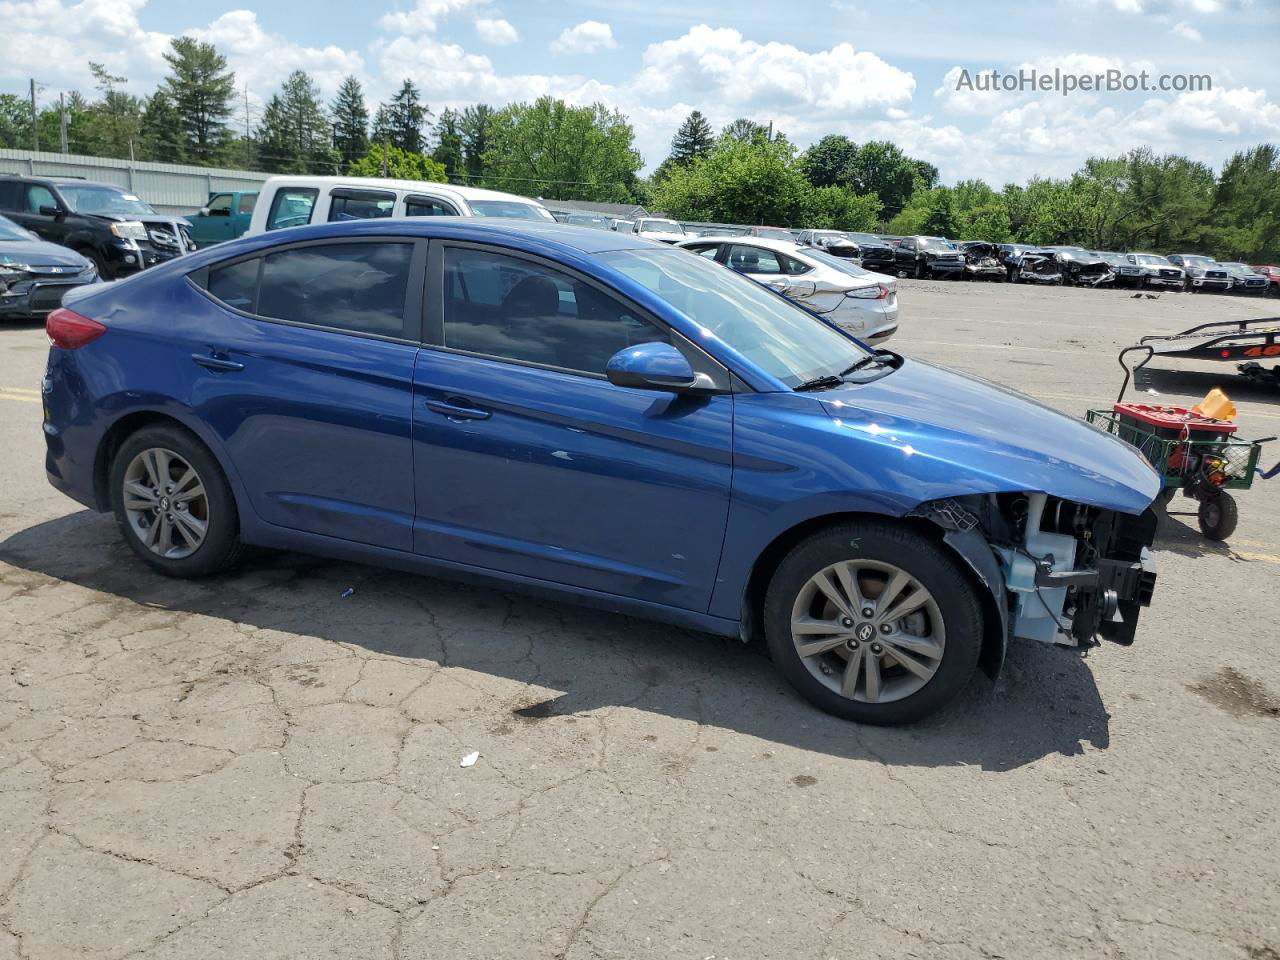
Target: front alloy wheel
874,622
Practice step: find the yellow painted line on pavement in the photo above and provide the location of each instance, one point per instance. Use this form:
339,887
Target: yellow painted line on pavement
19,394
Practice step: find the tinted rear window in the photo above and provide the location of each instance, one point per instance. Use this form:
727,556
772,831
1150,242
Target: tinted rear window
350,286
237,284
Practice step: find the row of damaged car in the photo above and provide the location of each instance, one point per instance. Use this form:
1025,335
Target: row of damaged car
1076,266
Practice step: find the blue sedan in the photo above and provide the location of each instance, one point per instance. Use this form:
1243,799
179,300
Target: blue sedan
600,418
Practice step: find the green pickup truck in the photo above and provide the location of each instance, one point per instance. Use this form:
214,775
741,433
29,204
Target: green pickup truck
224,217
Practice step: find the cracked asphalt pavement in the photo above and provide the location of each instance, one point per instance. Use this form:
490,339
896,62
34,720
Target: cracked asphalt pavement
263,765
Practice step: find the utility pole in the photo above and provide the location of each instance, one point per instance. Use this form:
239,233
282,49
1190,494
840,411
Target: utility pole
385,148
62,121
248,160
35,131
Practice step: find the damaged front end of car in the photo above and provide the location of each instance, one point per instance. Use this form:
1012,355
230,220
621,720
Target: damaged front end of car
1039,268
1058,572
1085,270
982,261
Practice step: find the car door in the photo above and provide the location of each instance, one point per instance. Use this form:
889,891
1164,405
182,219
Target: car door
528,461
214,226
42,213
904,255
302,363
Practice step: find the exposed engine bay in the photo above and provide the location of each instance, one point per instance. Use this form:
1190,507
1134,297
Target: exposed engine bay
1039,268
982,261
1072,574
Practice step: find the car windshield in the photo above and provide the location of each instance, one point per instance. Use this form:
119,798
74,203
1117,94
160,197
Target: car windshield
837,263
775,233
101,200
11,231
660,226
782,339
1196,261
1150,260
509,209
933,243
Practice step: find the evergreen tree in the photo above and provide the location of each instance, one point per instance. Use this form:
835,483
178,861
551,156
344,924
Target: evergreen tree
477,125
115,121
694,139
201,88
161,129
748,131
294,136
350,121
402,120
448,151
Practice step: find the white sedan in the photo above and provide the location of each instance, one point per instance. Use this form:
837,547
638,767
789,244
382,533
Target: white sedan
856,300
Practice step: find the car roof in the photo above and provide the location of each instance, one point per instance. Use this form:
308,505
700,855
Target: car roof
412,186
766,243
76,181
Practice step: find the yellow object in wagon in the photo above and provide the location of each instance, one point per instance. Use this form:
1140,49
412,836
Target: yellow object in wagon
1216,405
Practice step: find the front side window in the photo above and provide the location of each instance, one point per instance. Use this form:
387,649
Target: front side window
781,338
37,197
510,209
219,206
359,287
515,309
360,205
428,207
291,207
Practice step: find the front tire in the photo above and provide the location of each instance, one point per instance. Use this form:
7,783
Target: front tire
922,272
173,504
874,623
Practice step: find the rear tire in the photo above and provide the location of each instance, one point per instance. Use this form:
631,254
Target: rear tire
855,664
173,504
922,272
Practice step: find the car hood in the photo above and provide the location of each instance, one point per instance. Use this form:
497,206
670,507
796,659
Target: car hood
40,253
951,434
159,218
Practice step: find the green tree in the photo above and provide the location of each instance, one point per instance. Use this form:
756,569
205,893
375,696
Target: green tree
201,88
744,130
350,121
448,151
401,120
161,129
549,148
739,181
1246,206
398,164
476,123
839,208
15,122
829,162
294,136
881,168
115,121
694,139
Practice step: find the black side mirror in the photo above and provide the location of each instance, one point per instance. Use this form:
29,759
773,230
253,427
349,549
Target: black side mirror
55,212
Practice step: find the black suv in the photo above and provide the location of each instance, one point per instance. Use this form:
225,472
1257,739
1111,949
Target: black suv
101,221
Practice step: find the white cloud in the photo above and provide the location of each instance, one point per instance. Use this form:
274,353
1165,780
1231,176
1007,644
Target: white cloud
586,37
425,16
1205,7
496,31
1186,31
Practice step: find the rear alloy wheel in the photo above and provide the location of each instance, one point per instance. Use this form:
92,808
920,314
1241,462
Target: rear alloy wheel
173,503
873,623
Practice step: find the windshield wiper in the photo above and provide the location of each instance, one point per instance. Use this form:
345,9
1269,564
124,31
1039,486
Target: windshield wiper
820,383
865,362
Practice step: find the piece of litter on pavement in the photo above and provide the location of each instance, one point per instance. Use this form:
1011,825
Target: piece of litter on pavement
348,592
470,759
1153,391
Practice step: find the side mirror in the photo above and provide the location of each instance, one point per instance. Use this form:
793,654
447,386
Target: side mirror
204,212
652,366
47,211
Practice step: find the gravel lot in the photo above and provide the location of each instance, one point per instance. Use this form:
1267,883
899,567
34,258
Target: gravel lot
259,766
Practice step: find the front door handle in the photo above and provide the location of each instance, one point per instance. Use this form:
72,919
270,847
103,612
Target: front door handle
455,411
218,364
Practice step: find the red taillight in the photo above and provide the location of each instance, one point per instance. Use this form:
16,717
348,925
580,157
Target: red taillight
68,330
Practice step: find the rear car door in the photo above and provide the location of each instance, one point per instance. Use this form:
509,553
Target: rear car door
529,462
303,365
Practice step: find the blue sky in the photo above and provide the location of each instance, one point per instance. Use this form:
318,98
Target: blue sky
809,66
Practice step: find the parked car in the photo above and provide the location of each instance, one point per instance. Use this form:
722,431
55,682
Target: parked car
289,201
1081,267
862,303
1127,274
592,220
100,221
1038,266
1272,273
34,274
1244,279
775,233
622,226
1157,271
982,261
819,238
659,229
225,217
602,419
928,258
1201,273
873,253
1011,255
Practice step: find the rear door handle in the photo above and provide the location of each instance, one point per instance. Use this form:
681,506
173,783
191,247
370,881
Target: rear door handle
219,364
456,411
